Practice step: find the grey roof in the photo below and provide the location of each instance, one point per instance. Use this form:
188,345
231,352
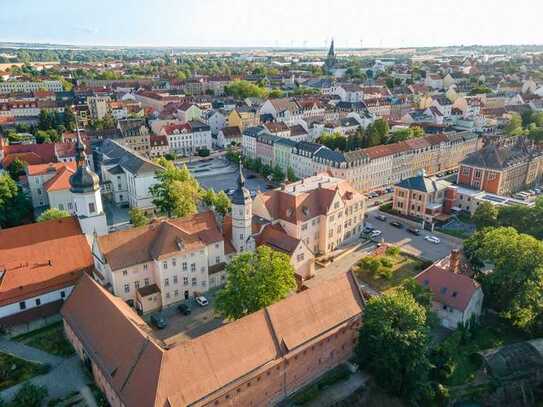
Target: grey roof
198,126
116,170
349,122
330,155
128,159
308,147
286,142
253,131
423,184
498,158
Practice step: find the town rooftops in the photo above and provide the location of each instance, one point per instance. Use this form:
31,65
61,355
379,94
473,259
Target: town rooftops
423,184
145,373
499,158
127,159
41,257
159,239
231,132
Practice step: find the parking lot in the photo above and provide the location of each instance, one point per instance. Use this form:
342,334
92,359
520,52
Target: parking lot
184,327
415,245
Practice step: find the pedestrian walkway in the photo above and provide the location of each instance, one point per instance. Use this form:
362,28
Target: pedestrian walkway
340,391
29,353
66,375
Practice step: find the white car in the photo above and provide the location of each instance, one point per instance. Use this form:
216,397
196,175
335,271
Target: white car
432,239
201,301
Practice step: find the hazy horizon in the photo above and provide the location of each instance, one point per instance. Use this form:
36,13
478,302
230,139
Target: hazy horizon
284,24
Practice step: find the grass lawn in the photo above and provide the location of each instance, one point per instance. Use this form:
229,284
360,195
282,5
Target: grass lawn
493,332
460,234
50,339
403,267
14,370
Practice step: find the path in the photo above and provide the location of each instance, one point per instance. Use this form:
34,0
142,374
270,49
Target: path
340,391
66,375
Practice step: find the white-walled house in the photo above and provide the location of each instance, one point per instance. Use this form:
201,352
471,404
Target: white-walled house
457,298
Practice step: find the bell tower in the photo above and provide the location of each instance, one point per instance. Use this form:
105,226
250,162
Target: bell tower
242,214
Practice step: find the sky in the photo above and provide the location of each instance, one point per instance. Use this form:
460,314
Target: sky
284,23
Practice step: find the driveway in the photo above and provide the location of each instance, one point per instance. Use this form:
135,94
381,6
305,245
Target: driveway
184,327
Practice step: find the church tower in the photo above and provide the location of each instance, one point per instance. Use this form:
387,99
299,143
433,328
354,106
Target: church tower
331,60
85,189
242,214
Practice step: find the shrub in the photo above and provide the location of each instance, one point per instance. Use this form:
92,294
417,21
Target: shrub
386,262
30,396
203,152
386,272
309,394
392,251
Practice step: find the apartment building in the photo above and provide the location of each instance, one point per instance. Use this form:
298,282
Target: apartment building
98,106
29,87
159,264
135,135
257,360
321,211
503,169
385,165
49,185
126,175
187,138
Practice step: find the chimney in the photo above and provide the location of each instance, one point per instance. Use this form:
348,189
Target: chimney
454,263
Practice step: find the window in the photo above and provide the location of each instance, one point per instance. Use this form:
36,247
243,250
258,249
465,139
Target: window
336,205
167,295
165,265
38,302
176,293
300,257
175,279
62,294
146,282
61,207
92,207
145,267
127,288
185,280
166,282
136,284
194,281
22,305
217,259
184,266
174,262
192,267
443,290
304,226
70,205
125,272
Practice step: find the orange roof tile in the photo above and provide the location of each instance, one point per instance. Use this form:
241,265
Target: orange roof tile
40,257
61,181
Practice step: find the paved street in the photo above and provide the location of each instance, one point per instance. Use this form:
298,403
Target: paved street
228,180
415,245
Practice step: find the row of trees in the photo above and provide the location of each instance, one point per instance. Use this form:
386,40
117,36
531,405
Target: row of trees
524,219
242,89
526,124
15,207
375,134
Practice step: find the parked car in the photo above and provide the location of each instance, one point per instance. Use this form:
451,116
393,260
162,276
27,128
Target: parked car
414,231
382,218
184,309
159,321
389,190
432,239
202,301
376,233
396,224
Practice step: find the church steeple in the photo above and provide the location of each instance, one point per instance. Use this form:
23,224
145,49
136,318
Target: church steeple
331,57
83,180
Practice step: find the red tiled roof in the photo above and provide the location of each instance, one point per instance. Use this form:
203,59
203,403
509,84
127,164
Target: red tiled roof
41,257
452,289
61,181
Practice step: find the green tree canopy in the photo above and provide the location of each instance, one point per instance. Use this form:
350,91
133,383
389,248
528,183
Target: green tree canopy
515,287
53,213
486,215
254,281
16,169
138,217
176,193
393,343
14,205
243,89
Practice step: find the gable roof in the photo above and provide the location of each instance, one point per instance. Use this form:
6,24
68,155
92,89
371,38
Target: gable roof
128,159
40,257
159,239
143,372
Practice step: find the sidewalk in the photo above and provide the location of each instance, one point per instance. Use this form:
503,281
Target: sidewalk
340,391
29,353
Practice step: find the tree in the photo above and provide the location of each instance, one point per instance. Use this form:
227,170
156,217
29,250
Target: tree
421,294
52,213
514,127
14,205
219,201
486,215
138,217
16,169
254,281
278,175
243,89
394,343
176,193
515,287
290,175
